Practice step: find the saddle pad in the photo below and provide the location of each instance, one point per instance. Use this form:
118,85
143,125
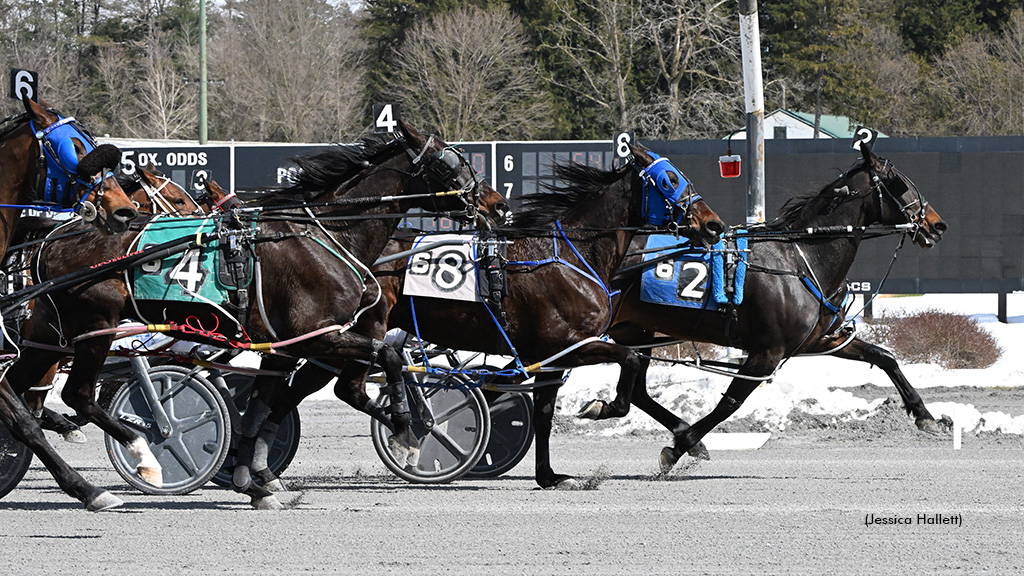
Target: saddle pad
190,276
694,279
446,269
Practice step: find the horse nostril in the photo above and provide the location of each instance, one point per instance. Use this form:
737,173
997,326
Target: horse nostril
125,214
940,227
716,227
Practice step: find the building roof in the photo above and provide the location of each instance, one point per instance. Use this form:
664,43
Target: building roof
831,126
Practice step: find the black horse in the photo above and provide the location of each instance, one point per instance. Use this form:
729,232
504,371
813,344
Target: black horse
565,247
76,173
792,303
312,243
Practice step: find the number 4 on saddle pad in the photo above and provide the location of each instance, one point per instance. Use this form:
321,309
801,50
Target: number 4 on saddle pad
693,277
198,275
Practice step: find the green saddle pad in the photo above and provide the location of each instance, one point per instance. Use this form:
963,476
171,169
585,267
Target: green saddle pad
190,276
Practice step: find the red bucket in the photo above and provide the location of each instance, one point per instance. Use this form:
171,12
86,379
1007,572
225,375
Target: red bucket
729,166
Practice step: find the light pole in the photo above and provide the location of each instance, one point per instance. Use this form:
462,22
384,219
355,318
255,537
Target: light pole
753,91
202,71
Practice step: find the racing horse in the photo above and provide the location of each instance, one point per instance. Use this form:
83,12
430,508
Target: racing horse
565,246
151,192
793,296
313,243
47,157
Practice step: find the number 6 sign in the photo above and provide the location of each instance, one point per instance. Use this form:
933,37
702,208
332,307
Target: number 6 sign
23,84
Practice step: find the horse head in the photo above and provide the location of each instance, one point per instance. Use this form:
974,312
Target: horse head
215,198
442,168
670,198
87,168
154,193
900,202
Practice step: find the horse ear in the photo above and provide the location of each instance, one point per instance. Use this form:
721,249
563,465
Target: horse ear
37,111
410,132
641,153
869,156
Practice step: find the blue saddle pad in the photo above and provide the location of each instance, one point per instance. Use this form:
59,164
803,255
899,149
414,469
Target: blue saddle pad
692,277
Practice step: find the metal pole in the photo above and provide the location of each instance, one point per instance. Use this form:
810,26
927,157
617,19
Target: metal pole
202,71
753,91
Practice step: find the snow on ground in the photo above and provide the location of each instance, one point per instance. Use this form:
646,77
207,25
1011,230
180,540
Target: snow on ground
815,385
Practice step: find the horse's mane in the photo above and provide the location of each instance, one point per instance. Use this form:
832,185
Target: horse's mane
332,167
793,212
578,183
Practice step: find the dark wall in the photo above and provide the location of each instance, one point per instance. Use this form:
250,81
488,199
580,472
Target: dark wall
975,184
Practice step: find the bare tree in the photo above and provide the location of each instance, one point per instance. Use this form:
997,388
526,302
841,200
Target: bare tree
695,48
595,41
292,71
982,80
467,74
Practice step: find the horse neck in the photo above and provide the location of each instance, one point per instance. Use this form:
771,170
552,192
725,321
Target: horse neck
613,213
19,175
366,238
830,259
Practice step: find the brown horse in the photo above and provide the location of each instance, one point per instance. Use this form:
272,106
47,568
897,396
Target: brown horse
792,303
152,193
61,159
313,244
564,250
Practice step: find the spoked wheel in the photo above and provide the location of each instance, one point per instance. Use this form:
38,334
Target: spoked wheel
15,459
511,434
286,443
449,445
200,429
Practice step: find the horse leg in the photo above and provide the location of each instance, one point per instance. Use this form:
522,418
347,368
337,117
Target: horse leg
80,394
23,427
629,366
265,391
676,425
757,365
543,415
49,419
861,351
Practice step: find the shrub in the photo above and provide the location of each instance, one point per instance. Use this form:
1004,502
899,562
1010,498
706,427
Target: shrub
949,340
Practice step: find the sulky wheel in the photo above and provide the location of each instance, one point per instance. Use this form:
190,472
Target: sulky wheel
511,434
198,439
450,445
15,458
286,443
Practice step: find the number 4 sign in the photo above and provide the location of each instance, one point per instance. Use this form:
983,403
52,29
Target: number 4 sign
385,118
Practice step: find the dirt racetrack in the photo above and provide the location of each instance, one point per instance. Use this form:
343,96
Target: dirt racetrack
799,505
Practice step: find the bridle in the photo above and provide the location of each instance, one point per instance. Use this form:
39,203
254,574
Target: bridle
892,184
49,139
442,168
156,195
662,200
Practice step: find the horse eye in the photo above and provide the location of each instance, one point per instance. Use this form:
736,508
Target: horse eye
673,179
179,201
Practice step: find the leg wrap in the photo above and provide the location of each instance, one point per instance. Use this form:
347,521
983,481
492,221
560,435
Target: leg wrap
399,402
263,444
241,478
255,414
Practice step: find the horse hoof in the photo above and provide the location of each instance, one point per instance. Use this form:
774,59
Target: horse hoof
929,426
152,474
413,458
105,501
267,503
399,450
700,452
569,484
668,459
592,410
276,485
74,437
